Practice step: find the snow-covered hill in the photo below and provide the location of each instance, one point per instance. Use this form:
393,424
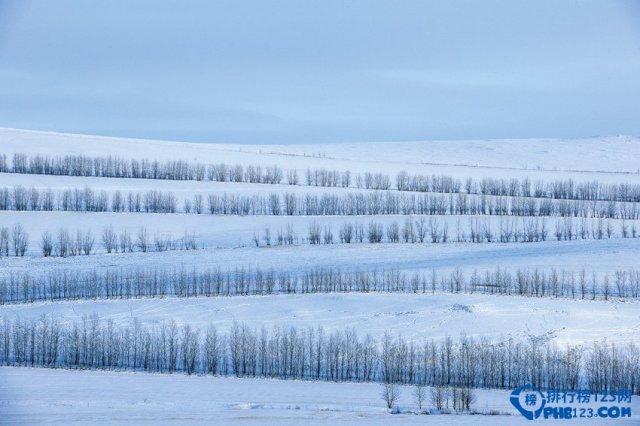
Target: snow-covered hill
553,266
587,158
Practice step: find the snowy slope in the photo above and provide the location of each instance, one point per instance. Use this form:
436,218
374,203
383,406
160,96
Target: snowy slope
217,231
582,159
29,396
414,316
601,256
95,397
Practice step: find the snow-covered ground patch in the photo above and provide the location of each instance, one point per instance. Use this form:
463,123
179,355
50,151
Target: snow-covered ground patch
36,396
601,256
226,243
541,157
230,231
417,317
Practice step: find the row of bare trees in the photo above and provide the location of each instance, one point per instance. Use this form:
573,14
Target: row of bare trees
313,354
566,189
432,230
126,243
110,166
64,243
124,283
387,202
116,167
86,199
81,165
21,198
14,241
443,399
344,179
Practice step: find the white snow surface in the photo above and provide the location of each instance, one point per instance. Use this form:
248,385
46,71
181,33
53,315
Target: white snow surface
601,256
230,231
417,317
38,396
604,158
33,396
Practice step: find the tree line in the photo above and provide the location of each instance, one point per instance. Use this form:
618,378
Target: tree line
433,230
13,241
116,167
64,243
422,230
566,189
138,282
313,354
21,198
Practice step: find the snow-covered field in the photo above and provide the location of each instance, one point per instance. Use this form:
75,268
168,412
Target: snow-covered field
42,396
80,397
600,256
417,317
551,158
33,396
232,231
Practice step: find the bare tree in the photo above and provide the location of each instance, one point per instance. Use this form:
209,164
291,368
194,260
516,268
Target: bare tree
421,229
117,203
20,240
87,242
142,240
434,229
438,397
346,233
292,177
390,394
62,244
328,235
109,239
46,244
420,395
467,397
393,232
408,234
161,242
375,232
315,233
190,240
267,236
187,206
198,204
4,241
126,242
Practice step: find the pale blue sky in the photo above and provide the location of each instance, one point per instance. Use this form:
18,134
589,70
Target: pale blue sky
321,71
